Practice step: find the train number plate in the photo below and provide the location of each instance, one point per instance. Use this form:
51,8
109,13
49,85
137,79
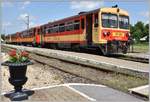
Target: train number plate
118,34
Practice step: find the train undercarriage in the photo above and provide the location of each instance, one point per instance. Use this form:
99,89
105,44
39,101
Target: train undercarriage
112,47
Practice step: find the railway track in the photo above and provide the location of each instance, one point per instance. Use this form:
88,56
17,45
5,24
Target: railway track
112,78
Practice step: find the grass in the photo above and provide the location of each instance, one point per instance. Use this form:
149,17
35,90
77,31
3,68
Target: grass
120,81
141,47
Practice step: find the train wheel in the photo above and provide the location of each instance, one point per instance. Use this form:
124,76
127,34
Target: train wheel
125,49
102,50
54,46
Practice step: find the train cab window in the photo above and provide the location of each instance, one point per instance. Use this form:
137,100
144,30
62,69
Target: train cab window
123,22
82,23
76,25
109,20
96,20
61,27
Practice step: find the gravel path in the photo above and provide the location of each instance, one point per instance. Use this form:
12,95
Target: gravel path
40,75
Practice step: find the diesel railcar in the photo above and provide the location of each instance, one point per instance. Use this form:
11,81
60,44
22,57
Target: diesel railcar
103,29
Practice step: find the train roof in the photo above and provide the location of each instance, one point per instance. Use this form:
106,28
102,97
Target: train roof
105,9
75,16
115,10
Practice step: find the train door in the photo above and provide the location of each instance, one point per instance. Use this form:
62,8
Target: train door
37,35
95,35
89,28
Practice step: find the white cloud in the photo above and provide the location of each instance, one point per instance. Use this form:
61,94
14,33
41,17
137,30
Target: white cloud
146,22
32,24
144,13
22,16
25,3
6,24
7,4
86,5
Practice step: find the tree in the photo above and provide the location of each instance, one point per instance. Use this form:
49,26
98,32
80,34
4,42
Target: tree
140,27
139,30
146,31
3,36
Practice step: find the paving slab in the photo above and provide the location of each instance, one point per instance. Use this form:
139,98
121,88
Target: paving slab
141,90
54,94
105,94
77,92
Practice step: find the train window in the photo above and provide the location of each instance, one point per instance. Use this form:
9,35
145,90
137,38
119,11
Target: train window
82,23
62,27
96,20
123,22
69,26
25,34
44,29
76,24
50,30
38,32
31,32
55,29
34,31
109,20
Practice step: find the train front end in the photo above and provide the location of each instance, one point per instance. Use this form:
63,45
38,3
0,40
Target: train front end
114,30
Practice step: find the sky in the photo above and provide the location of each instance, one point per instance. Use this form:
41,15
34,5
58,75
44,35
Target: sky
40,12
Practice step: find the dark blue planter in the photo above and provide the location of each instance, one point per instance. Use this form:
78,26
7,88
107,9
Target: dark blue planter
17,79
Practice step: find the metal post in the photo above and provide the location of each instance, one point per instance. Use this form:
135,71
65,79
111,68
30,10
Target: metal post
27,22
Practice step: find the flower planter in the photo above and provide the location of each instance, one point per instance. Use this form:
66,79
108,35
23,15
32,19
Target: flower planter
17,79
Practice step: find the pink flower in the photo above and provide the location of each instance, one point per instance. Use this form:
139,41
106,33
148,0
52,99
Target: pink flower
12,53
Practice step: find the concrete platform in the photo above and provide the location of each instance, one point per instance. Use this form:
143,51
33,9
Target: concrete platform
106,63
141,90
76,92
138,55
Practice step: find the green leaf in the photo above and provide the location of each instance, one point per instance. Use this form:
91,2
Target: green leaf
12,59
23,59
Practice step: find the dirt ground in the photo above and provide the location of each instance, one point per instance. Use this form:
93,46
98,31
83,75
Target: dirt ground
39,75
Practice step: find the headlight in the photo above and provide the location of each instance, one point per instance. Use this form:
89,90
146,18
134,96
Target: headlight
106,33
127,34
